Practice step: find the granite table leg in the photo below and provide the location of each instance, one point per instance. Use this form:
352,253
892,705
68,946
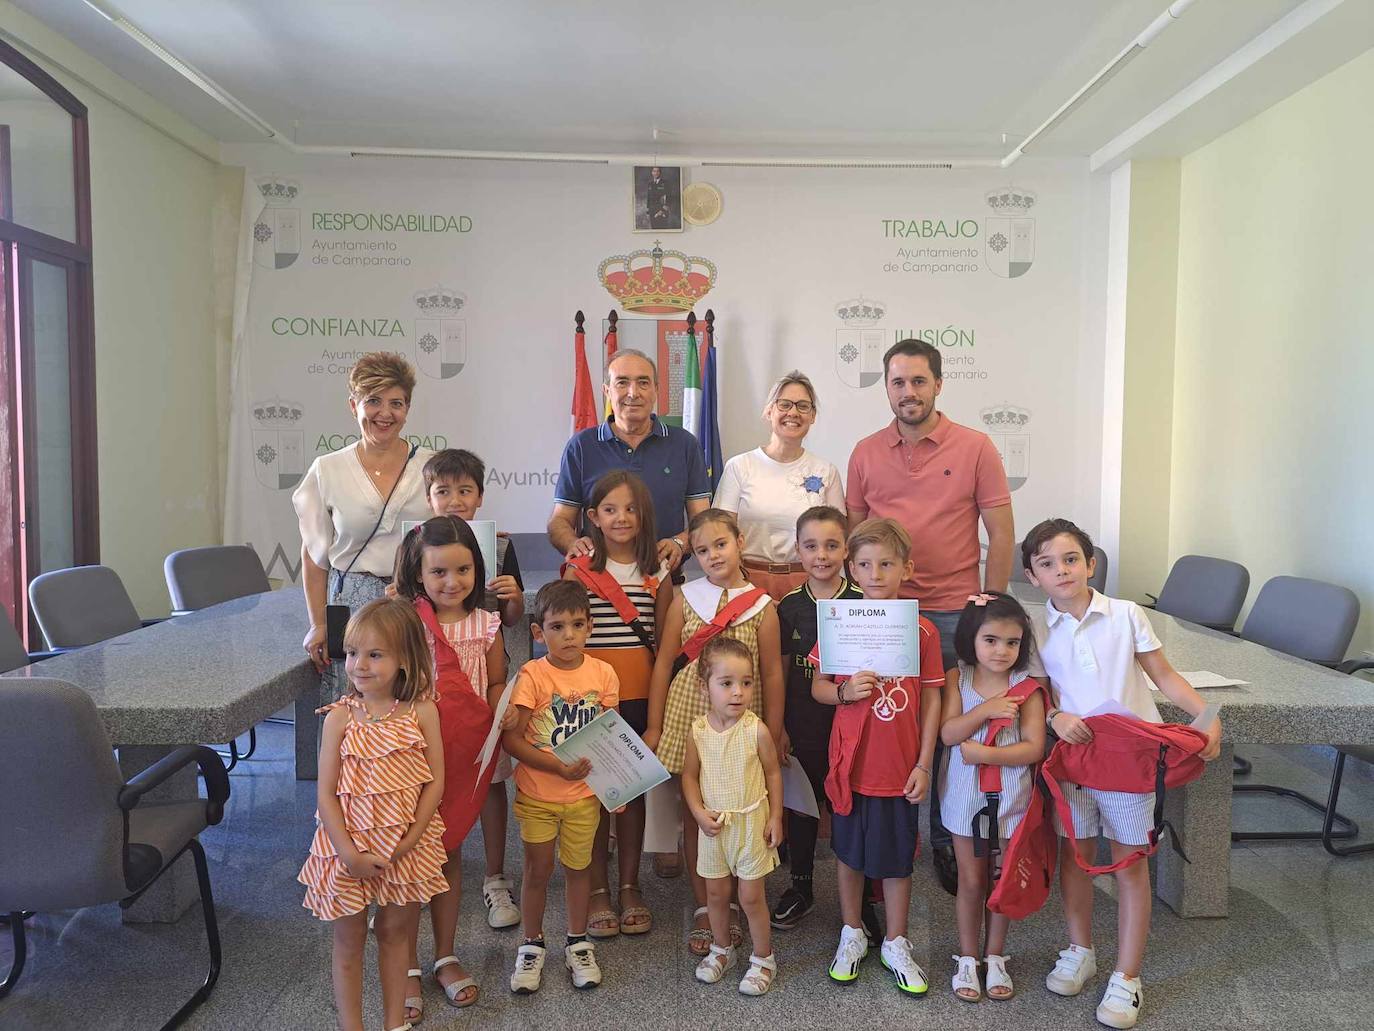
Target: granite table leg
1201,813
176,891
308,729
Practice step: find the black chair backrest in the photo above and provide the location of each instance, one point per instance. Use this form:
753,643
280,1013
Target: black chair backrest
1311,619
82,605
200,577
61,828
12,653
1204,590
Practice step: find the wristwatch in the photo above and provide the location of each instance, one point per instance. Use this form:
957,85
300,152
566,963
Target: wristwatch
682,548
1049,717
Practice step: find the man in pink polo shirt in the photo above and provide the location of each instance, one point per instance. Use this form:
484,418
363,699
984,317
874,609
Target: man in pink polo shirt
937,479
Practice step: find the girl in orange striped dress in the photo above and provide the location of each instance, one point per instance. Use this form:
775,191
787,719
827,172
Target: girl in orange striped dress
379,838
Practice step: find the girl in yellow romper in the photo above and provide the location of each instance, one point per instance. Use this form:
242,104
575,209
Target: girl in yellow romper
733,786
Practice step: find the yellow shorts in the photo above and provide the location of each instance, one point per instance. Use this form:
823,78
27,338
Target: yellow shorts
572,823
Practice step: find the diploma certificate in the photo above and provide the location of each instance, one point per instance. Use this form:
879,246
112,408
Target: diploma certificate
623,767
882,636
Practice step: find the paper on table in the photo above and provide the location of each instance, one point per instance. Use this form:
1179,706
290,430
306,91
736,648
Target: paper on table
797,794
663,818
494,735
1202,679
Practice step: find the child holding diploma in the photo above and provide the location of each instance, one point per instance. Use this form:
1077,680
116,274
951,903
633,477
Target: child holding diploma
881,747
733,785
555,697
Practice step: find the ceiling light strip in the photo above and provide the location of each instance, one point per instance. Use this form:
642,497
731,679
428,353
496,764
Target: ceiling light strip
1165,18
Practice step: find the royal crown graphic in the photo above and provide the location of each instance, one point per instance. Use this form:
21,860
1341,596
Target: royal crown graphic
860,312
277,190
440,301
656,282
1008,200
278,414
1004,418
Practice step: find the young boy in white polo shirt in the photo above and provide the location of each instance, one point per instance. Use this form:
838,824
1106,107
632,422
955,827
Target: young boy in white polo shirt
1093,649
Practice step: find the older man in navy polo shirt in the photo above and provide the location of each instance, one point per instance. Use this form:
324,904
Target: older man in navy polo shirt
668,459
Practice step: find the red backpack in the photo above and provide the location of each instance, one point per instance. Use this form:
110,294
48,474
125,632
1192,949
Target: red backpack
464,722
1125,754
986,822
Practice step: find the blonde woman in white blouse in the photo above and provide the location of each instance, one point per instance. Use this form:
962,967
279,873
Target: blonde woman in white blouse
340,498
769,487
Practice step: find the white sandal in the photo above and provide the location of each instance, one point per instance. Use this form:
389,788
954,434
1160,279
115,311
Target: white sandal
404,1027
762,970
457,988
415,1002
965,979
999,979
713,967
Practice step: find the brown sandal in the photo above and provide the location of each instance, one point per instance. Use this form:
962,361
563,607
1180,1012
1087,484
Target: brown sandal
668,865
604,915
641,912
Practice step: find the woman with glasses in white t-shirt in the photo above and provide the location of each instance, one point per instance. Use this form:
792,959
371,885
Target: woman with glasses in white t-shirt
768,488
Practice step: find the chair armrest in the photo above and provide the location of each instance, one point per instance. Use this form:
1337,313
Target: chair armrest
1355,665
1154,600
211,768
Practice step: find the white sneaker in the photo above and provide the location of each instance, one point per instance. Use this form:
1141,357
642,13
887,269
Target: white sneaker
896,956
580,959
501,908
1076,964
529,969
1120,1005
853,948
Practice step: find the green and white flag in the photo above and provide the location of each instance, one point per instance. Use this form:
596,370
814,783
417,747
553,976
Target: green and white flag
691,388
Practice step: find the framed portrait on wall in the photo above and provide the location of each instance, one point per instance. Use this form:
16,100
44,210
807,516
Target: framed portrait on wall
657,199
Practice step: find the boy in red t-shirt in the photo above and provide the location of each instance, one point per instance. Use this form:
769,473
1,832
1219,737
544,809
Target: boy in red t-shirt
881,749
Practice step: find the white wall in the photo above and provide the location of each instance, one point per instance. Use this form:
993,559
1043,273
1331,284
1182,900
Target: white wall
1274,360
157,389
790,245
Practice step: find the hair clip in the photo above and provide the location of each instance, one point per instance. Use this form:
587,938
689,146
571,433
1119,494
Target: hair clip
980,599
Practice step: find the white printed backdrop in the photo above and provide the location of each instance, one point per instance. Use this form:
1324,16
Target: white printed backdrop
473,270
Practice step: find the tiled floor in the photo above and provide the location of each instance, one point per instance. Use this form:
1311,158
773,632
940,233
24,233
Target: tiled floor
1297,951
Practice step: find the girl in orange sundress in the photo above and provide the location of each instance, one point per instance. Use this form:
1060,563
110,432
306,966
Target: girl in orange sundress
378,839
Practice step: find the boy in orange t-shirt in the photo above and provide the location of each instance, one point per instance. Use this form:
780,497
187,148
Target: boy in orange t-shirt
555,697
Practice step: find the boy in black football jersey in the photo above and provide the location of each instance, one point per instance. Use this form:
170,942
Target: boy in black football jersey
821,534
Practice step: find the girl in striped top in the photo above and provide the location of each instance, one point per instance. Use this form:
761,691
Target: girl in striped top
378,839
629,590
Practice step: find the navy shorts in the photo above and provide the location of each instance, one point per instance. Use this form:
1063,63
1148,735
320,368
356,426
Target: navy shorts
878,837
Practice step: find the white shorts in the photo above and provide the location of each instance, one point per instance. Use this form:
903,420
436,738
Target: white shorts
1123,816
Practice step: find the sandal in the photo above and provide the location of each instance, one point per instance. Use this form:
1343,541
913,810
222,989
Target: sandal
965,980
668,865
457,988
700,938
762,970
415,1002
644,919
1000,987
736,931
603,916
717,962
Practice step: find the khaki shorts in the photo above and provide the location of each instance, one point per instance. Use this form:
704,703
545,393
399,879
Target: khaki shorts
572,823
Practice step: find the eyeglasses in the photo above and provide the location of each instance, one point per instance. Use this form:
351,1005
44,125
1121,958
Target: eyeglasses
802,407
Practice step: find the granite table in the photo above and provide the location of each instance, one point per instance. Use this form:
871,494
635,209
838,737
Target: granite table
206,677
1287,701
